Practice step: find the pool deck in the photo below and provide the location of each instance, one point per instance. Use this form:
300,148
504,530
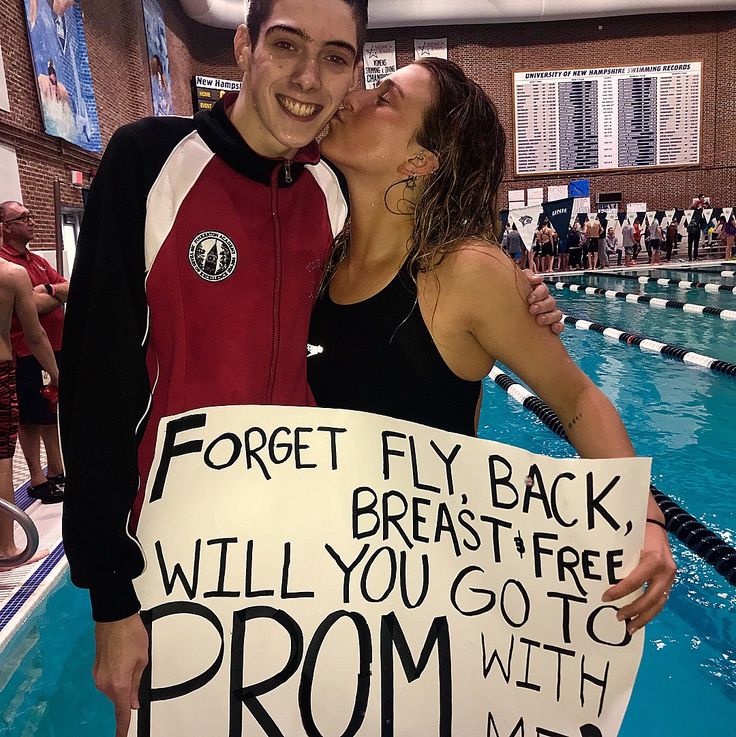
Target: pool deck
25,586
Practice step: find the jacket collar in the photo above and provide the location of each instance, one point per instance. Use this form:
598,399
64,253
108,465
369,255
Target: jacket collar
223,138
7,250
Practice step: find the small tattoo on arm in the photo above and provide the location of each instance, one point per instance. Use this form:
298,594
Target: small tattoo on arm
574,421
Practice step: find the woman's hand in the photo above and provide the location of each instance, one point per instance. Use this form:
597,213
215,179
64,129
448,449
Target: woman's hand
657,570
542,304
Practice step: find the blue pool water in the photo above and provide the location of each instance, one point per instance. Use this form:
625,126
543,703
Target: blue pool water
682,416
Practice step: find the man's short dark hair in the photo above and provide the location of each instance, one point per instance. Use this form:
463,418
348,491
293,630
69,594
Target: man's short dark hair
260,10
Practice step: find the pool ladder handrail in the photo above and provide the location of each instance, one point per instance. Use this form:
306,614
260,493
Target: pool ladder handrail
29,528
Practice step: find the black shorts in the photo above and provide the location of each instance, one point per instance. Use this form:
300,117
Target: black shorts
547,249
655,245
34,407
592,245
8,410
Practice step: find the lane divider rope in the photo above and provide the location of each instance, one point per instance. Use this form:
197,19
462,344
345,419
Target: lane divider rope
693,534
708,286
647,299
654,346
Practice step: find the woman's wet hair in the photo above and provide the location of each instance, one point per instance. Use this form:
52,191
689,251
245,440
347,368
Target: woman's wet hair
459,202
259,11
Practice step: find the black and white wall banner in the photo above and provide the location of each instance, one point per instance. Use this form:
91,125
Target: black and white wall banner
379,60
559,213
526,220
325,572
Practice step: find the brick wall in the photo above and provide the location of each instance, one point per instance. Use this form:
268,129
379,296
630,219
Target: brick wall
118,60
490,53
119,64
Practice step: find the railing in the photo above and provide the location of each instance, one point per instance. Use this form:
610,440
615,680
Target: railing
28,527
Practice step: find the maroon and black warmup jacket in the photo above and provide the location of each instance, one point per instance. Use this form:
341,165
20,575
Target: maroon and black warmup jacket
197,267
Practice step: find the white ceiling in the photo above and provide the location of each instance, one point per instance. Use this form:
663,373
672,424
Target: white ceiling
395,13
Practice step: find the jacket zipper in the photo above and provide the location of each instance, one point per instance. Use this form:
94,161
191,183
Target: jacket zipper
287,171
277,276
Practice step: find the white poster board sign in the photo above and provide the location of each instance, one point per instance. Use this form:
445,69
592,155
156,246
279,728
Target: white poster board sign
580,204
4,101
9,175
314,571
379,60
424,47
517,198
535,196
556,192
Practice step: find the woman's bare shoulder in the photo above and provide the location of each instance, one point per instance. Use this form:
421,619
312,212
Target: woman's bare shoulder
474,262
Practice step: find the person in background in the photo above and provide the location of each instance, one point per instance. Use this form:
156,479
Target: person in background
37,416
627,237
694,234
729,231
655,241
603,261
670,240
613,247
698,202
564,256
505,238
546,235
593,231
637,239
574,246
16,298
513,245
719,232
712,232
536,252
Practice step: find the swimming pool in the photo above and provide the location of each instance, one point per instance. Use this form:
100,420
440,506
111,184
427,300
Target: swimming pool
681,415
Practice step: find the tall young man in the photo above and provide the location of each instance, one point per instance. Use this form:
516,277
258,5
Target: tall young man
198,262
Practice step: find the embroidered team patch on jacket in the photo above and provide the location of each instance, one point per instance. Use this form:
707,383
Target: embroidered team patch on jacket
213,256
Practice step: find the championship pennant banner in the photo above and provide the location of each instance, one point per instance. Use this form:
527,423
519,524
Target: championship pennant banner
325,572
616,117
379,60
206,91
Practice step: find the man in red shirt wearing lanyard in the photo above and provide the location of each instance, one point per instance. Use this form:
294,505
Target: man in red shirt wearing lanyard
37,415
